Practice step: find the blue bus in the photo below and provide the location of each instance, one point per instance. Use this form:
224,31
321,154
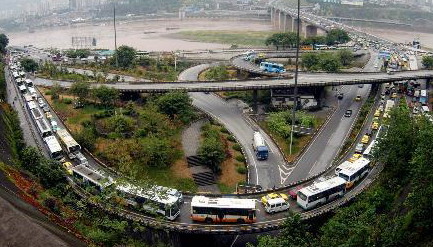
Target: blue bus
272,67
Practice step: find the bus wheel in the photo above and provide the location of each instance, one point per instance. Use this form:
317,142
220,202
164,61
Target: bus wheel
208,220
241,221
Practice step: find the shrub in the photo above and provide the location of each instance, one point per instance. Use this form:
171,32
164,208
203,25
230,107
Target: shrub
241,169
67,101
237,147
224,130
231,138
240,158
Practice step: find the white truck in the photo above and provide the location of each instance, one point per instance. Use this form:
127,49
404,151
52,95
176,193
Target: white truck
68,142
260,147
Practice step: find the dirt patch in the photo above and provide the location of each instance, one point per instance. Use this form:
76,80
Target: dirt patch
229,174
180,169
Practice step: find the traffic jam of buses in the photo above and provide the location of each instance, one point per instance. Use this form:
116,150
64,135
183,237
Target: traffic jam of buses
168,202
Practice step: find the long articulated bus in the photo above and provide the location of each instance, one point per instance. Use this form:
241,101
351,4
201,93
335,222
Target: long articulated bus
157,200
54,148
68,142
223,210
320,193
354,172
43,128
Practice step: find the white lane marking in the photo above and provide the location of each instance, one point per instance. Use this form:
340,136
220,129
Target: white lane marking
312,167
285,175
237,236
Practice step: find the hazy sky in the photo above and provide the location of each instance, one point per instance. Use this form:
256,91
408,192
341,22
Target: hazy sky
13,4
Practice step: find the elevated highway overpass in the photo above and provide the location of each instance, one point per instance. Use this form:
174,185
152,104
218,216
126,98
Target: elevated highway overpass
305,80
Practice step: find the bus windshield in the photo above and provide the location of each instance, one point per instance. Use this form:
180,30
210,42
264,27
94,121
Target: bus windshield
302,196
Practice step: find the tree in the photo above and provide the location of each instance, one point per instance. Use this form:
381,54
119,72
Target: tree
427,61
329,63
212,152
125,56
310,61
282,40
176,105
29,64
217,73
294,233
107,95
4,41
80,90
337,36
314,40
345,56
55,91
29,158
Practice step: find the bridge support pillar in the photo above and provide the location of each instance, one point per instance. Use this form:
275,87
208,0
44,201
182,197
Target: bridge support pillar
255,103
310,31
288,22
272,16
277,18
280,20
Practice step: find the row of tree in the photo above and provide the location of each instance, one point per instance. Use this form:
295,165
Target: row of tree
289,39
396,211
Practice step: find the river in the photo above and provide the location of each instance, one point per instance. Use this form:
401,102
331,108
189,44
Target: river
149,35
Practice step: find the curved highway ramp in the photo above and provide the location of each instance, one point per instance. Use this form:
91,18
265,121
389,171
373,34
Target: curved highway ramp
269,173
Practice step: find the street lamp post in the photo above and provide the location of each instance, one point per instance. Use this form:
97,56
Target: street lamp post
295,90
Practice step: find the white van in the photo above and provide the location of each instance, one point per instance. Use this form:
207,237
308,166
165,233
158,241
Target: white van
276,205
425,109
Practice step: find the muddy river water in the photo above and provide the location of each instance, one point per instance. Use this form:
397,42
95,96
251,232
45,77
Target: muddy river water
154,35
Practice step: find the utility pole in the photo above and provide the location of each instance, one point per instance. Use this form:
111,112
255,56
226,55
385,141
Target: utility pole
295,90
115,35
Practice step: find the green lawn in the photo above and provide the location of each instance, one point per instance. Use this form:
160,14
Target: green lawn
246,38
164,177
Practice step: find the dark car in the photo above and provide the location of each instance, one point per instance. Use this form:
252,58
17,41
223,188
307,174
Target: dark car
293,193
46,108
340,96
348,113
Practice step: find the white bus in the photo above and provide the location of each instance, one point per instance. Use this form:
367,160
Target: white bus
43,128
31,105
36,114
368,152
154,200
86,176
389,105
321,193
69,143
54,148
342,166
223,210
353,173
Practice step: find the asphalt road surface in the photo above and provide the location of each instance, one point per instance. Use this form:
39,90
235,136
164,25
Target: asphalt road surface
326,145
266,173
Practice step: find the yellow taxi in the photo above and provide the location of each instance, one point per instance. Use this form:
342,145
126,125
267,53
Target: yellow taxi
375,126
68,167
355,157
394,95
48,115
365,139
274,196
377,113
358,98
